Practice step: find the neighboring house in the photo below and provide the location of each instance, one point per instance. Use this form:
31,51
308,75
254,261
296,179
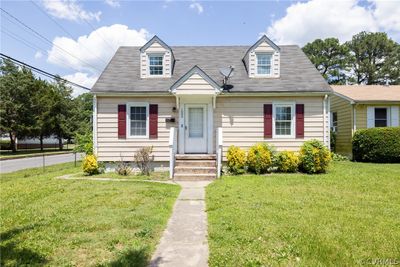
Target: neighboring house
173,98
30,143
356,107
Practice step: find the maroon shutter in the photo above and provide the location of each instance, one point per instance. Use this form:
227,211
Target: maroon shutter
268,121
121,121
299,120
153,131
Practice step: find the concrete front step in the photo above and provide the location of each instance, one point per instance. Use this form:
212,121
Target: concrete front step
195,163
194,170
195,156
194,177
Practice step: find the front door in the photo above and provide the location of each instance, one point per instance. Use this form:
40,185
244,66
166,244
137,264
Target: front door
195,128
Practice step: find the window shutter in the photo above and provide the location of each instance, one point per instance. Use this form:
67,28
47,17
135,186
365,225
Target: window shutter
370,117
153,131
268,121
299,120
394,116
121,121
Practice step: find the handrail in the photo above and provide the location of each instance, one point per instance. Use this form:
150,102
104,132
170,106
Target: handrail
172,150
218,150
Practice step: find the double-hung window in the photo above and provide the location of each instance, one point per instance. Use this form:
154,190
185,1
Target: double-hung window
264,63
284,120
334,122
381,117
138,119
156,65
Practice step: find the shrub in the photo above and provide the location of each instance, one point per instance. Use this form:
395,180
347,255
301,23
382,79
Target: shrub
123,168
314,157
287,161
143,158
377,145
338,157
90,165
333,141
84,143
236,160
259,158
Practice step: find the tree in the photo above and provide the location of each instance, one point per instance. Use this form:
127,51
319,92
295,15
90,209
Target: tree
375,58
16,85
82,113
330,57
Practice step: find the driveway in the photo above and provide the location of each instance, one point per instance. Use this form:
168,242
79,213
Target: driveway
33,162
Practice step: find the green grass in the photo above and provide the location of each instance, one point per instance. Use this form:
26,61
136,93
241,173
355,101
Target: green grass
343,218
24,153
158,176
48,221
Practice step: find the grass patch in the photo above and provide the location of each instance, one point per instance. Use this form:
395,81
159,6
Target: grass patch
342,218
157,176
55,222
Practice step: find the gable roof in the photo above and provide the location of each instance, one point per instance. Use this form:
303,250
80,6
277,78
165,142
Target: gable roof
152,41
194,70
368,93
297,73
264,38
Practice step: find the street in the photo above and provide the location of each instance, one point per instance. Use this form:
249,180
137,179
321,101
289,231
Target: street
12,165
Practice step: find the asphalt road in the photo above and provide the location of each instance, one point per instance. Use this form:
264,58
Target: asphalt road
12,165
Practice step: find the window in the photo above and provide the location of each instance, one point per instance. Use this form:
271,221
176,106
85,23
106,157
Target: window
264,64
381,118
156,64
334,122
284,120
138,119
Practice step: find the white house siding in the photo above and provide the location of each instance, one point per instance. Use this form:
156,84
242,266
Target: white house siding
195,84
110,148
242,120
252,64
167,62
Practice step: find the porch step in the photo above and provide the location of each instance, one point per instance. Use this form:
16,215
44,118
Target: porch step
195,170
195,163
194,177
196,156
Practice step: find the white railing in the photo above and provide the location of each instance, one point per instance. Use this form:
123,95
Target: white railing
218,151
172,150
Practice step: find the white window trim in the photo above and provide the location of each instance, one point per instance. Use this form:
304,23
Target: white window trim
388,118
271,65
128,119
148,64
293,122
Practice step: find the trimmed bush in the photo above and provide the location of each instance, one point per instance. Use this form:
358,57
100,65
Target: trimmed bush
90,165
314,157
259,158
377,145
236,160
287,161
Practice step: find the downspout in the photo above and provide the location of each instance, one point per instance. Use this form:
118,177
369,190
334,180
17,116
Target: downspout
94,124
353,117
324,119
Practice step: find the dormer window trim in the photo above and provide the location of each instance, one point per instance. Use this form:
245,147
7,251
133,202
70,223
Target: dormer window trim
149,55
270,65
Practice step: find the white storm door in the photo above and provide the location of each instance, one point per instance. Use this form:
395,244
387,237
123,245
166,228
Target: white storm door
195,128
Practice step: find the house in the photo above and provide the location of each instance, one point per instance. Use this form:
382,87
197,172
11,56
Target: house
356,107
175,99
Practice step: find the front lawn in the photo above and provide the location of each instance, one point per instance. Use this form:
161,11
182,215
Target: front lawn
44,220
347,217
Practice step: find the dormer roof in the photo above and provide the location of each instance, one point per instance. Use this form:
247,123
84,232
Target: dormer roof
152,41
264,38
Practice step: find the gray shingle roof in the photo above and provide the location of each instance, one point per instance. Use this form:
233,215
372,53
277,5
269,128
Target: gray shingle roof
297,74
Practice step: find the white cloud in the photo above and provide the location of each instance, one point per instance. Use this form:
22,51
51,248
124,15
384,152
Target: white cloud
199,8
38,55
306,21
113,3
83,79
69,10
92,52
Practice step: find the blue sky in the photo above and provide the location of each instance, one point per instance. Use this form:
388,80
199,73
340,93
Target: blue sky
96,28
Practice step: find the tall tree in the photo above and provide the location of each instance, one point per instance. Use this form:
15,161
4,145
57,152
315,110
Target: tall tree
330,57
375,58
16,86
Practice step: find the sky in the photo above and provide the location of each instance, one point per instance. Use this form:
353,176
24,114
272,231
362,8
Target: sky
76,39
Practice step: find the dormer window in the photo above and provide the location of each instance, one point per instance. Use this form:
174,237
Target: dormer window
156,65
264,63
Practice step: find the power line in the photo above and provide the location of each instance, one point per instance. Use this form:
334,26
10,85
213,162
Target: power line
43,72
62,28
98,33
43,37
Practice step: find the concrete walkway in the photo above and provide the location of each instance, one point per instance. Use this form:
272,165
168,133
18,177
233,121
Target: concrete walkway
184,242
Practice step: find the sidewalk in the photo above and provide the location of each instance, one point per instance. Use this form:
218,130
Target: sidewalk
184,242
